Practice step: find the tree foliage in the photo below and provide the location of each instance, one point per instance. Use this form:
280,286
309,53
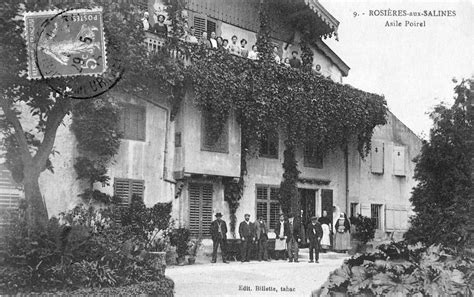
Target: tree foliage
34,101
443,196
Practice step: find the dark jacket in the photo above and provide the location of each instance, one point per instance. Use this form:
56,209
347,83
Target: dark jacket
314,231
295,63
296,232
278,228
247,231
215,230
261,230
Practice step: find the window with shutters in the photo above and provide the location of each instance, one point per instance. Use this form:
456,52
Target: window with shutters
211,140
133,122
312,157
125,188
200,208
269,145
268,205
202,23
376,215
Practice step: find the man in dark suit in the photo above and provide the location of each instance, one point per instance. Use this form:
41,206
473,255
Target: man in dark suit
262,239
247,237
314,233
293,237
218,233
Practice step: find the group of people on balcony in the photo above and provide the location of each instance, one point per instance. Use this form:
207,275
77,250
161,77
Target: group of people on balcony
290,234
217,42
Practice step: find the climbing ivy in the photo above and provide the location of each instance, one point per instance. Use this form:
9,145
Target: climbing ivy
301,105
95,124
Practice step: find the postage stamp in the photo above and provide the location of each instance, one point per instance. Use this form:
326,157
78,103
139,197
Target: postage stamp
65,43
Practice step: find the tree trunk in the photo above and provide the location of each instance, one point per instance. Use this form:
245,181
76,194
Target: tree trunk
36,212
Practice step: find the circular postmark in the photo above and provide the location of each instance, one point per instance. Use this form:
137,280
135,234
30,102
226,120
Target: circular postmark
70,54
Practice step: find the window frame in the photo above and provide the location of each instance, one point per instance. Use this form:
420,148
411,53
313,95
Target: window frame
141,112
268,201
270,138
378,219
315,154
216,147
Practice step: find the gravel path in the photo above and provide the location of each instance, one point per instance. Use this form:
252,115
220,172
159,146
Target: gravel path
245,279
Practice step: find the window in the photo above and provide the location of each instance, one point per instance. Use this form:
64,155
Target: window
202,24
210,139
124,188
269,145
177,139
312,158
354,212
377,157
133,122
268,205
200,208
375,214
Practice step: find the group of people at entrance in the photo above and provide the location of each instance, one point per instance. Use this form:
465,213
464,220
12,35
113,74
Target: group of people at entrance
290,234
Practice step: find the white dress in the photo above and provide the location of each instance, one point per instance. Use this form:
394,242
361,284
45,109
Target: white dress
325,241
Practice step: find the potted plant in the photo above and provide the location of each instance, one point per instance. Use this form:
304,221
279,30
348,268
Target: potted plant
180,239
364,232
193,247
157,245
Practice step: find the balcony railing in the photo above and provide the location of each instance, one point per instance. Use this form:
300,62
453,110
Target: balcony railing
157,44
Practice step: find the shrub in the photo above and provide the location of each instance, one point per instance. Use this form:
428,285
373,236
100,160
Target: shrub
408,270
88,249
162,287
365,228
180,238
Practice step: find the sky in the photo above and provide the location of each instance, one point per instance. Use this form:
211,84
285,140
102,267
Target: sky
412,67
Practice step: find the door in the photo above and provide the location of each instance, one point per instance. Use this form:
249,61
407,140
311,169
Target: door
326,202
308,204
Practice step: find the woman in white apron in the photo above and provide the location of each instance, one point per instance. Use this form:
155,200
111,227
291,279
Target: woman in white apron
280,240
325,241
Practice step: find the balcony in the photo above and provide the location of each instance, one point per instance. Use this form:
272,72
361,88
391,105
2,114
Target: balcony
157,44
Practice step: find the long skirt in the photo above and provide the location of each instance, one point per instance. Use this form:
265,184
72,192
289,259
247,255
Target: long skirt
342,241
325,240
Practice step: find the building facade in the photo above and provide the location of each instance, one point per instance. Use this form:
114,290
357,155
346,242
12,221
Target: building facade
163,159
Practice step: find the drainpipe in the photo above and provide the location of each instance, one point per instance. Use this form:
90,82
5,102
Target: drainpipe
346,161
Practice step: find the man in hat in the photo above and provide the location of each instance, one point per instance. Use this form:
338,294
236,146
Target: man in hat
247,237
314,233
218,233
293,237
262,237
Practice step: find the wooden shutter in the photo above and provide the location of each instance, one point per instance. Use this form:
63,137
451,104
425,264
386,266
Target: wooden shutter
200,208
396,217
377,157
199,25
211,27
121,191
124,188
206,213
365,209
194,209
399,160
